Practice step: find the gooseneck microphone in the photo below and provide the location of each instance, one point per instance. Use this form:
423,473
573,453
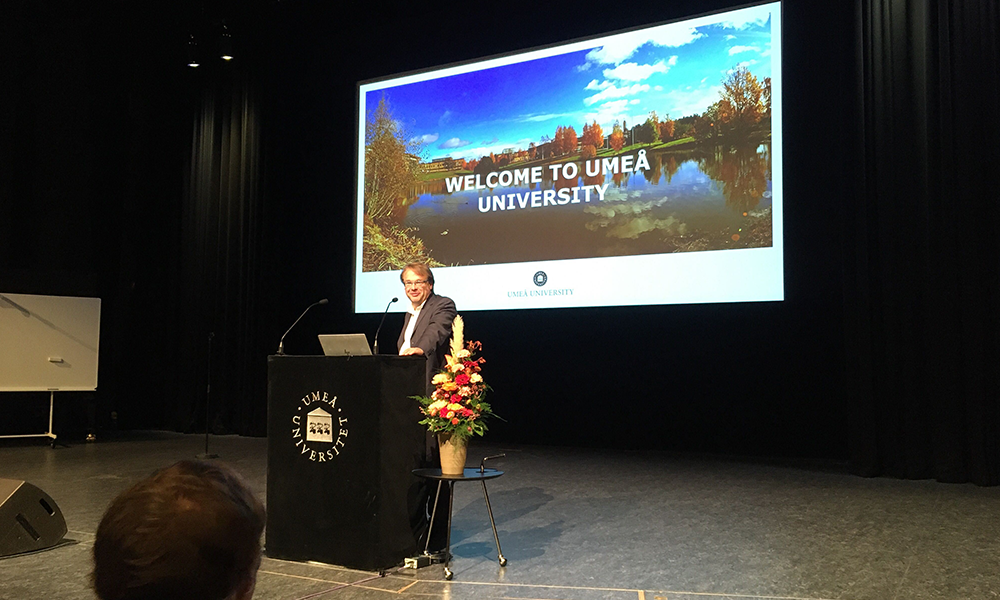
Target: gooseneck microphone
281,344
375,350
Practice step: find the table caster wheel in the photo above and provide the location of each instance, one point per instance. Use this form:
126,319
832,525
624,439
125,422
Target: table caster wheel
503,561
448,574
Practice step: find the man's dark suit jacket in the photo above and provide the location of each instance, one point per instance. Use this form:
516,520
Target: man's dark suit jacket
432,333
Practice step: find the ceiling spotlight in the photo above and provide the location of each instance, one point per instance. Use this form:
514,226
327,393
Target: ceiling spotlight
192,52
226,44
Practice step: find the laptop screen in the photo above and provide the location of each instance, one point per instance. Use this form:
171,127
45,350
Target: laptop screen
345,344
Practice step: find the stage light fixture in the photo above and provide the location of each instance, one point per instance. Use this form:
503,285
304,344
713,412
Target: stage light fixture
226,44
192,52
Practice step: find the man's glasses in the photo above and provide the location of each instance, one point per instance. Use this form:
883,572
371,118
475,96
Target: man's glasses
414,283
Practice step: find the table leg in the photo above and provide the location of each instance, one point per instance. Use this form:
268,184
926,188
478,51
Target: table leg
500,557
447,552
430,527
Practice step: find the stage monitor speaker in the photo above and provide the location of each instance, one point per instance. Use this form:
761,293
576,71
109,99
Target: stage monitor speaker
29,518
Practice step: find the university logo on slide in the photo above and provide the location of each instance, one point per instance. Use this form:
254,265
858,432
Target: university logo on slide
540,278
320,433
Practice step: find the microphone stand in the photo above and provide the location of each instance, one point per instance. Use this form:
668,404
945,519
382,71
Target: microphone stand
281,344
375,351
208,396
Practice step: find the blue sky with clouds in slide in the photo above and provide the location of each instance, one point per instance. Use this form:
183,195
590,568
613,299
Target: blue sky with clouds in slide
675,69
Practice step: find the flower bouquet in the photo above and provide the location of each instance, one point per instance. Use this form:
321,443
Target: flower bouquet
457,408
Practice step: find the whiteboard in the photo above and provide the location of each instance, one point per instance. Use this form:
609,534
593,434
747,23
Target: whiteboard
48,343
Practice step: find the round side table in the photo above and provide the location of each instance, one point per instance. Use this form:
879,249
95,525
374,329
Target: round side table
480,475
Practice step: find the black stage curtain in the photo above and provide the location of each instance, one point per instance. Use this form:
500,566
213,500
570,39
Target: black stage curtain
223,241
923,271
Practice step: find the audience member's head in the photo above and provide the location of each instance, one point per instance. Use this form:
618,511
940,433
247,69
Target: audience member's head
189,532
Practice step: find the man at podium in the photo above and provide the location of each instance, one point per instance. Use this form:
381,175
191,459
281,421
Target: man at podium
344,436
427,328
427,332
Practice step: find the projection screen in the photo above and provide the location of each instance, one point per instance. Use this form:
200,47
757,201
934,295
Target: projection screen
636,168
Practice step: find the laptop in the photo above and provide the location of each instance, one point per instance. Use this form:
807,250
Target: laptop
345,344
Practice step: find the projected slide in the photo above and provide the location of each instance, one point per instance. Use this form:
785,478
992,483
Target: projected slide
637,168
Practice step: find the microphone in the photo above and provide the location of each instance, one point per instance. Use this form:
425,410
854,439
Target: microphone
281,344
375,351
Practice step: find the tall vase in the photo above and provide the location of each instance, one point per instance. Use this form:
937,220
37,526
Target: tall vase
453,450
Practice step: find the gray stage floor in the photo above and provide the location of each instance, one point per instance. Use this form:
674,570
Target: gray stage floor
588,524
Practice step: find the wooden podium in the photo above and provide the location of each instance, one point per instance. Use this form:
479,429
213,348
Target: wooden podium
343,440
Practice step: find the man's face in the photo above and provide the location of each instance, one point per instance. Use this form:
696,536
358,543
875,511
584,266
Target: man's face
417,287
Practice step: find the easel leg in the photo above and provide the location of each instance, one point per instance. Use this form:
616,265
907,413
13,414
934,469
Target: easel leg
52,407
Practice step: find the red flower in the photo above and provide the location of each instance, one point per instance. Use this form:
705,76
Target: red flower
456,398
454,421
462,378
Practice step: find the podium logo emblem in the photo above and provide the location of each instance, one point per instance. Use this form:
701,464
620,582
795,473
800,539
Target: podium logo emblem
319,427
